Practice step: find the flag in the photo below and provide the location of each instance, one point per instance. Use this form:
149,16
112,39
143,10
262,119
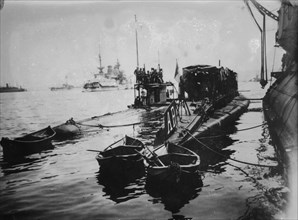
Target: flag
177,74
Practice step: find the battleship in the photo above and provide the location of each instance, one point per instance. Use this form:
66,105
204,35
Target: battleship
113,79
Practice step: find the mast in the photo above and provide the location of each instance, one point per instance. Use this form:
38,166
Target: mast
99,57
158,67
137,50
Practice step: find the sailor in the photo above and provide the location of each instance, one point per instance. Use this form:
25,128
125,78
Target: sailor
181,89
154,76
143,96
147,76
143,75
136,72
160,75
138,101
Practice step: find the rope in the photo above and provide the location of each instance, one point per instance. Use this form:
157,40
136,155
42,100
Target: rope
221,135
245,129
109,126
273,59
239,161
242,99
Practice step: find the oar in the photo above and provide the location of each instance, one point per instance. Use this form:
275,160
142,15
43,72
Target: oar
98,151
155,156
158,147
146,158
114,143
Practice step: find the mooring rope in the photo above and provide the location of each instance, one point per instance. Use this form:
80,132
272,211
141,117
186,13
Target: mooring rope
251,99
239,161
245,129
221,135
109,126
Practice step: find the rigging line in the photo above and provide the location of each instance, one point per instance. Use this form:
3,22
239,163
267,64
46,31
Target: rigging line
287,118
239,161
100,116
244,129
285,107
273,59
265,49
282,92
108,126
289,80
251,13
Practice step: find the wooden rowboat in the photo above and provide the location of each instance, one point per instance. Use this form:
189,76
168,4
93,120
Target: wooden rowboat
28,144
121,156
172,164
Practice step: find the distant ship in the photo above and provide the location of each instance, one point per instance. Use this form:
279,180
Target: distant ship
63,87
113,79
8,88
255,79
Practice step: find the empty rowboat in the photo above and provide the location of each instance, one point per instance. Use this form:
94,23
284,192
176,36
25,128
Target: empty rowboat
28,144
121,156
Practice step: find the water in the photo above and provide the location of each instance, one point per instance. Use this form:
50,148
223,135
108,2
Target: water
64,182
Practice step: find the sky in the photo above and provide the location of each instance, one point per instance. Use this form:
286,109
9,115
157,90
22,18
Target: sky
46,43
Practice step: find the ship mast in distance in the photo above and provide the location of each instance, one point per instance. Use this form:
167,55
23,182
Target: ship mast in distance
100,66
158,66
137,50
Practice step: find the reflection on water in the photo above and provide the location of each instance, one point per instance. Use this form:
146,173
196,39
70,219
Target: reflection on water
215,156
11,165
122,188
151,122
174,196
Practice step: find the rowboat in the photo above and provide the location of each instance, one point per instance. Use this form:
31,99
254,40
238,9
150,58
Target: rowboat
28,144
121,156
173,163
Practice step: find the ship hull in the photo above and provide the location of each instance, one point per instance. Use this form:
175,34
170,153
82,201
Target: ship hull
5,90
280,111
101,89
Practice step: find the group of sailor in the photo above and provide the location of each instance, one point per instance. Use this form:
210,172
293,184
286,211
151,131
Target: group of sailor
153,76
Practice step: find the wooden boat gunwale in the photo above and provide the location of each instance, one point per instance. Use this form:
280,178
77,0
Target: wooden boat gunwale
184,168
46,138
131,156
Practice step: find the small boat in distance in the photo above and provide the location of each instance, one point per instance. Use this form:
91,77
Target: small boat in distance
8,88
255,79
172,163
63,87
121,156
28,144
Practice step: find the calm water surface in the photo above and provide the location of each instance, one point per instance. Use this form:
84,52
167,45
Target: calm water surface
64,183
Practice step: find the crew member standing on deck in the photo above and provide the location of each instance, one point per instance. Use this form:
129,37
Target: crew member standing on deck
136,72
181,89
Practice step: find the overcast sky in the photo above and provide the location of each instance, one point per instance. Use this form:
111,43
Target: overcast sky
42,42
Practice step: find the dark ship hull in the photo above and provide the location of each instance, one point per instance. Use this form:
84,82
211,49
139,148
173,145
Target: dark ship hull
280,101
11,89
